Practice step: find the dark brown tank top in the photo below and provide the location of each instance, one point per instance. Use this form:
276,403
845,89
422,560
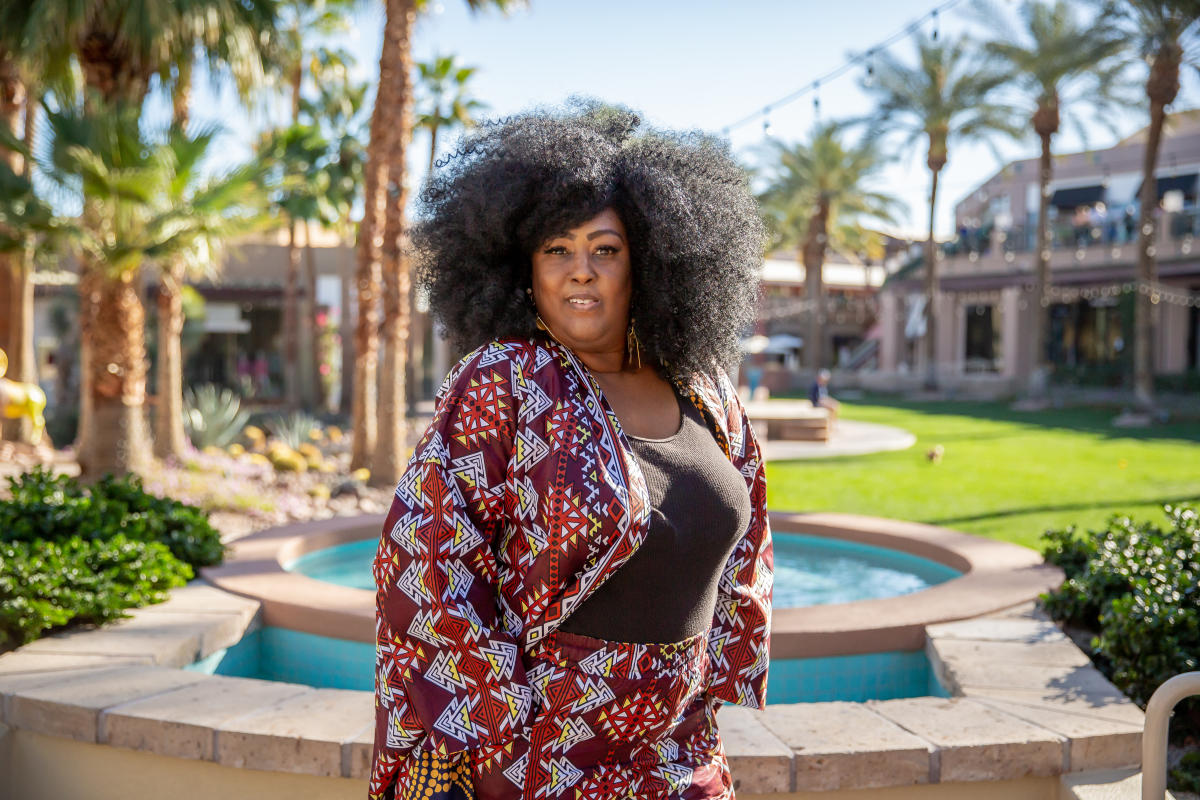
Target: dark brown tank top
700,508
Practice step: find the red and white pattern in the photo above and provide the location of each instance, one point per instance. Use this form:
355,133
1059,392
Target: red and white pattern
519,501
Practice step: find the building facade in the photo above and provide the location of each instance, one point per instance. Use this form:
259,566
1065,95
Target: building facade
984,299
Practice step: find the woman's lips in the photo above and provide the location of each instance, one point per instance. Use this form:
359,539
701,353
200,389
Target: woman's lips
583,303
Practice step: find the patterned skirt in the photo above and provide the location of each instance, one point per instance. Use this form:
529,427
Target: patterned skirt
614,720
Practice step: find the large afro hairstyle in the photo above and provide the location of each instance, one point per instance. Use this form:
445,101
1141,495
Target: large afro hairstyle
695,236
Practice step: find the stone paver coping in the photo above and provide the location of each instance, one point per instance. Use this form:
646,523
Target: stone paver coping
996,575
1026,704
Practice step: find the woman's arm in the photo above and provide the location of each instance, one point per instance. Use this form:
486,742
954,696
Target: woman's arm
449,677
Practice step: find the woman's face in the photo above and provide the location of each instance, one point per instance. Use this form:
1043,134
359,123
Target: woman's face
582,284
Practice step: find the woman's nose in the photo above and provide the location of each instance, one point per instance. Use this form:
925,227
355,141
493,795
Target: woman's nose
582,269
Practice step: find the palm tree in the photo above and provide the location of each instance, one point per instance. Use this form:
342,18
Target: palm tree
104,154
20,96
15,287
1057,63
303,20
120,46
298,152
1166,33
444,102
946,96
204,214
379,249
817,198
337,111
445,99
27,226
170,438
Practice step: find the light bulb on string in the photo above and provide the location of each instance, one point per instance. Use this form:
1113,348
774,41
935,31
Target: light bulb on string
817,101
767,121
935,24
870,79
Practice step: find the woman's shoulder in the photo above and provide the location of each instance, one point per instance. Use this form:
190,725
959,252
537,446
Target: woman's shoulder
516,363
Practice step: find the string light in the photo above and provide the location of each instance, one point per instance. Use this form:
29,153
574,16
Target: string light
852,62
863,308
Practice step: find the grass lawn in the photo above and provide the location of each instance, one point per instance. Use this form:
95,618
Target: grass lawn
1004,474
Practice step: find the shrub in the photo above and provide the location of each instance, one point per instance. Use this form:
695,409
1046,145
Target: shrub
57,508
1185,777
213,416
47,584
1138,587
294,429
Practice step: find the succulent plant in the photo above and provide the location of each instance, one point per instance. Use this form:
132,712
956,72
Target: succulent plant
213,416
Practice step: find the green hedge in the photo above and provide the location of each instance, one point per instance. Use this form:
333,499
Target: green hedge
49,584
57,508
1137,586
70,554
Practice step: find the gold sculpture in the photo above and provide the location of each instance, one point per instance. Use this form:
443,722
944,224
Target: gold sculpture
22,400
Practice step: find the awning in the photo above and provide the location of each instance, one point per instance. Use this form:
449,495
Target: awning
1077,196
1178,183
224,318
1173,183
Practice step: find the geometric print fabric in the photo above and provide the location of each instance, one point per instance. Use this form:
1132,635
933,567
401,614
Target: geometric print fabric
519,501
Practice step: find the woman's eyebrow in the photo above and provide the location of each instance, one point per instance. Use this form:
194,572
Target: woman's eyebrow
603,231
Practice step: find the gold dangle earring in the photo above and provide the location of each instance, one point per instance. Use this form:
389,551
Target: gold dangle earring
633,348
537,318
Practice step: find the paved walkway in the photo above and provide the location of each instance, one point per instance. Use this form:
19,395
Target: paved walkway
849,438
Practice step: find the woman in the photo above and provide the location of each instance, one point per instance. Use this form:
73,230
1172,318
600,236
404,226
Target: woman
576,570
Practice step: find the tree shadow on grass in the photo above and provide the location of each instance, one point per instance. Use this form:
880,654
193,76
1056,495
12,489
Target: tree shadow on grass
1116,505
1089,419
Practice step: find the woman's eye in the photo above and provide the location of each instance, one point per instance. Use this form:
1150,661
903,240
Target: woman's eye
607,250
555,250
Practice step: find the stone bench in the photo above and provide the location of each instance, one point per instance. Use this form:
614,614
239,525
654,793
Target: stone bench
789,420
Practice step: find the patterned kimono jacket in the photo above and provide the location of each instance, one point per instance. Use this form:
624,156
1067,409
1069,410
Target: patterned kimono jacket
520,500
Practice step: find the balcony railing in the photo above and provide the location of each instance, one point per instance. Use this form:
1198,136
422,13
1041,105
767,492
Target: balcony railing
1177,227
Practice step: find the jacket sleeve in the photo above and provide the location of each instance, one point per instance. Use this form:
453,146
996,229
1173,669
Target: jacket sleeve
740,640
449,677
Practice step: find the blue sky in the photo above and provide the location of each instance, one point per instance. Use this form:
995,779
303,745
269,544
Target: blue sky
698,64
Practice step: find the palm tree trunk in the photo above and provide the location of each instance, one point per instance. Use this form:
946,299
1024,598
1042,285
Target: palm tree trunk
291,339
931,284
1161,88
1036,383
315,396
118,438
16,284
815,240
95,448
11,91
88,298
170,439
346,329
392,61
295,79
418,321
388,462
181,99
